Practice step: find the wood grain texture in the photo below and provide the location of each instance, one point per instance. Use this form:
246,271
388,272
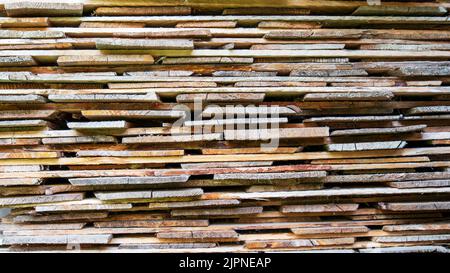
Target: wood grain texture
194,126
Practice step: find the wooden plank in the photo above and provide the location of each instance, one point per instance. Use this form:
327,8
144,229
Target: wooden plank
281,150
265,11
417,47
299,243
142,11
129,180
288,25
81,60
27,114
240,121
211,111
99,125
353,34
298,46
198,234
170,246
193,204
208,60
133,114
371,131
271,176
174,138
149,97
110,25
324,193
32,200
407,249
408,239
108,44
23,123
6,22
93,142
328,73
330,230
353,119
193,166
78,140
275,188
31,8
429,110
17,61
353,96
216,212
215,97
133,86
60,226
59,217
318,208
22,99
151,223
56,239
103,153
372,160
69,57
417,227
146,196
161,73
366,146
6,155
205,24
399,11
282,133
20,182
84,205
419,206
244,157
420,184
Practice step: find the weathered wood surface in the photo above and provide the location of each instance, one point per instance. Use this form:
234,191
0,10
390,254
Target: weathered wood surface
399,10
129,180
282,133
149,97
37,8
108,44
394,130
216,212
81,60
142,11
212,97
84,205
426,206
270,176
32,200
230,126
319,208
56,240
99,125
363,96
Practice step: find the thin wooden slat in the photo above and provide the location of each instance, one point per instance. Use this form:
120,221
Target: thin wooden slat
239,126
129,180
147,195
142,11
32,8
108,44
30,201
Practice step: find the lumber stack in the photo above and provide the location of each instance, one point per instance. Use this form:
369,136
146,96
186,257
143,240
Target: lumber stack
103,146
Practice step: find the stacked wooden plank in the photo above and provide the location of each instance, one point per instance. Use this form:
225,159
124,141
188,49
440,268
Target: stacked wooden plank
224,126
